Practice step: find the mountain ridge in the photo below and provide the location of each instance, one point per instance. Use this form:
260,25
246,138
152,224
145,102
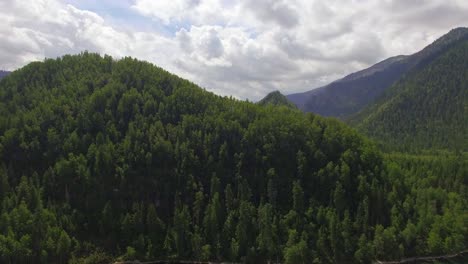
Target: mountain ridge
424,109
350,94
3,74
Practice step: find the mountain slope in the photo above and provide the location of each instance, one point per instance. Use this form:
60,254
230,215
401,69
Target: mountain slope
105,160
428,108
125,157
3,74
351,94
276,98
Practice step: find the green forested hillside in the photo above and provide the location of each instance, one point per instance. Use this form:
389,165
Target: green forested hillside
276,98
104,159
425,110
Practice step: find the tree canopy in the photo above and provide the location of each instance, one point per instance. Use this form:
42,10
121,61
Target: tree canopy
104,159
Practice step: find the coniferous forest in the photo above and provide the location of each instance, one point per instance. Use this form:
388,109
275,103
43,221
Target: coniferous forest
427,109
104,160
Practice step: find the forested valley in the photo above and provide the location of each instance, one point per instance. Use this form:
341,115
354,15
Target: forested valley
104,160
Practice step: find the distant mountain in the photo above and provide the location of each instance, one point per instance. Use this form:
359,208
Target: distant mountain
352,93
3,74
428,108
276,98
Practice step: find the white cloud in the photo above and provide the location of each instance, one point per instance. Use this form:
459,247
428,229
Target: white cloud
243,48
277,11
167,11
50,29
196,12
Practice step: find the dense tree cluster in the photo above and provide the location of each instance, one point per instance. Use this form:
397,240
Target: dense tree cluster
276,98
428,206
103,159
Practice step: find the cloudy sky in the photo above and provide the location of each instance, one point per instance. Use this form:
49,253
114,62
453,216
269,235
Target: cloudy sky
243,48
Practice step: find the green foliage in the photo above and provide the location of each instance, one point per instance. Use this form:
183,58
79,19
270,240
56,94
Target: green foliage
296,253
103,158
276,98
429,200
96,257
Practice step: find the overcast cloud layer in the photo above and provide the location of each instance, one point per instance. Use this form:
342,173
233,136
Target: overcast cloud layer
243,48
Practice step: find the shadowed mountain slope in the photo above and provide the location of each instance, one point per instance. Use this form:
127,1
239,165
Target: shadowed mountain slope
352,93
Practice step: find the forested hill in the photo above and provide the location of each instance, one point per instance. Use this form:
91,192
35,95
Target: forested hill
427,109
276,98
351,94
106,159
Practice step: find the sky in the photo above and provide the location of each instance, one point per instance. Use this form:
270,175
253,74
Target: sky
243,48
